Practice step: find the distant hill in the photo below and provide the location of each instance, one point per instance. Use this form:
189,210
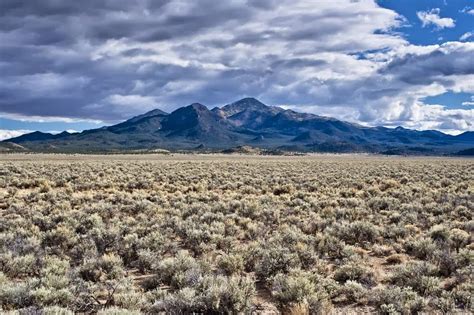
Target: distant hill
38,136
247,123
466,136
467,152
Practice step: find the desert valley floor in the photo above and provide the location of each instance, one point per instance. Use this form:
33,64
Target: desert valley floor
132,234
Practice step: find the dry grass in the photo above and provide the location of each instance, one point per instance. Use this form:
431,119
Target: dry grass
236,234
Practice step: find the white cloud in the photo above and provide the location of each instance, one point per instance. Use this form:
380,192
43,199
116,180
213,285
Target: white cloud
432,18
48,119
468,10
469,103
55,132
466,36
130,100
7,134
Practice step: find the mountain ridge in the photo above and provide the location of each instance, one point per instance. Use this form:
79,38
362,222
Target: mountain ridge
247,122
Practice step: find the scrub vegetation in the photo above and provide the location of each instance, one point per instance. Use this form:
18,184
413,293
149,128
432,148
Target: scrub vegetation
213,234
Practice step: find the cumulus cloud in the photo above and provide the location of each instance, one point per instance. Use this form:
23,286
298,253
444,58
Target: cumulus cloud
108,60
432,18
466,36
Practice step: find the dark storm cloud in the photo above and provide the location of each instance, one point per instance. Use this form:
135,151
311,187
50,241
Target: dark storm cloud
48,8
425,68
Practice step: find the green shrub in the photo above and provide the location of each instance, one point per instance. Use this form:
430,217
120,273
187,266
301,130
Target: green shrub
59,239
15,295
179,271
396,300
273,260
419,276
303,292
459,238
145,260
18,266
358,232
292,288
47,295
421,248
184,301
446,303
354,292
126,296
230,264
109,266
462,294
213,294
227,294
439,233
356,272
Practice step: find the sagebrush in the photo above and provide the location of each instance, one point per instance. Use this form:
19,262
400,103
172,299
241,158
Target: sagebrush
178,234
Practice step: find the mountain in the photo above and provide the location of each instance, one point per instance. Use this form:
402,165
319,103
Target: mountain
39,136
6,147
197,123
467,152
247,123
145,122
466,136
154,112
247,113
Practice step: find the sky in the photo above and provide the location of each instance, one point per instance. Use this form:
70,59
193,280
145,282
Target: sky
76,65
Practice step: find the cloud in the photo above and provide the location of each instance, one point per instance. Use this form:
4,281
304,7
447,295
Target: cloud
64,59
466,36
7,134
47,119
468,10
107,60
432,18
125,104
469,103
392,94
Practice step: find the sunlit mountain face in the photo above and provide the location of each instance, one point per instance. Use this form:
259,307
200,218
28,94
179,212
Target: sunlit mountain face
80,65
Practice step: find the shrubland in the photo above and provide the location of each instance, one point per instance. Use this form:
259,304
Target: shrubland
299,235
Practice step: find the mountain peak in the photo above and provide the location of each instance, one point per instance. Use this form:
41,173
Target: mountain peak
466,136
189,117
245,104
198,107
249,99
154,112
249,102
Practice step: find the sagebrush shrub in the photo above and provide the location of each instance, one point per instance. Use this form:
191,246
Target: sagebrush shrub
393,300
354,271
